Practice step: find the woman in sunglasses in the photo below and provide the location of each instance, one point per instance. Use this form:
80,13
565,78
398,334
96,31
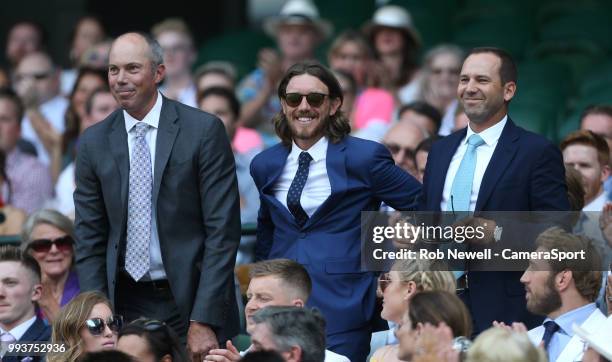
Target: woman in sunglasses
149,340
406,279
48,236
86,324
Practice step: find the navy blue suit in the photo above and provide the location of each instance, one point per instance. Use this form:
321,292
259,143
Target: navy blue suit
525,173
361,174
38,332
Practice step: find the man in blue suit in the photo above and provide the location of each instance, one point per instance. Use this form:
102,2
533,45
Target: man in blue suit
313,187
493,165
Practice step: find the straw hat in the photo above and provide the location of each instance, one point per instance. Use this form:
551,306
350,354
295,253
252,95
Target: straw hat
299,12
396,17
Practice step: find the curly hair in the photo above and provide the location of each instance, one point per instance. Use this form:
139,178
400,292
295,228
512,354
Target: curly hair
336,127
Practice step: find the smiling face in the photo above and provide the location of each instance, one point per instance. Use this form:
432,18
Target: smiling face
481,92
132,76
55,262
307,123
107,340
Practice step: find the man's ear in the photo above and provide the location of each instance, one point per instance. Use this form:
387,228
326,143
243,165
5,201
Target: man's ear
563,280
509,90
166,358
298,303
160,73
605,172
334,106
293,355
36,292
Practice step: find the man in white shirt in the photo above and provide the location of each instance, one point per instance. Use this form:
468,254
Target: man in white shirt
37,83
589,154
598,118
276,282
20,288
564,291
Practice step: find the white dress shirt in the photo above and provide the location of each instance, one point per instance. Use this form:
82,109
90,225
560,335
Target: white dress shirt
317,188
54,110
20,330
156,270
483,155
597,203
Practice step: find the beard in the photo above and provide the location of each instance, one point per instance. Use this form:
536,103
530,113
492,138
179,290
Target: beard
547,302
315,130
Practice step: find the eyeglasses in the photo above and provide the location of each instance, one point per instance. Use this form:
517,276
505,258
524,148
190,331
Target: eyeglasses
383,281
96,326
313,99
395,148
36,76
63,243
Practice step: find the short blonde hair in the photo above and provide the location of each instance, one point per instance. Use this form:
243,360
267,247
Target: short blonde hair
499,344
426,274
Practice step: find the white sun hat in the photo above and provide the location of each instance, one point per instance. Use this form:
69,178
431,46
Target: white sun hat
299,12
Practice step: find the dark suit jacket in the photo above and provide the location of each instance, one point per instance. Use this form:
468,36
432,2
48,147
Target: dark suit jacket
38,332
525,173
196,198
361,174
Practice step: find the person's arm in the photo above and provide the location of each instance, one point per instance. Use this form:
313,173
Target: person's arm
548,189
221,218
91,224
49,136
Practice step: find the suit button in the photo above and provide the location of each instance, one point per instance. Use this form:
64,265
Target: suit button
116,246
302,235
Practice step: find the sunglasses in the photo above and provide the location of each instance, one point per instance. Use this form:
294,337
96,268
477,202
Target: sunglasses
63,243
313,99
394,149
383,281
96,326
35,76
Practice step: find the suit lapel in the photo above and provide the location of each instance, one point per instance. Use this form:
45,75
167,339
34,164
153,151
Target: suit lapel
117,139
502,156
166,135
33,333
277,161
440,168
336,172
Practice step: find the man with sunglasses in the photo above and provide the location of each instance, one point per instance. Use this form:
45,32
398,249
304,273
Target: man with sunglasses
402,140
20,288
313,187
157,207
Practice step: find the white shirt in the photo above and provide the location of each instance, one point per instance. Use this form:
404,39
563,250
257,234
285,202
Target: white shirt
317,188
187,95
597,204
54,110
20,330
156,270
483,155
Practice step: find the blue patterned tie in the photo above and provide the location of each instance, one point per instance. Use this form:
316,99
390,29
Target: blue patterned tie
139,206
550,328
461,191
295,190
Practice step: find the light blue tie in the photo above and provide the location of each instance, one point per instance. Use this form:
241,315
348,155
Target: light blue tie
139,206
461,191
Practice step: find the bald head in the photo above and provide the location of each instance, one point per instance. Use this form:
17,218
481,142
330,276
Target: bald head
402,140
151,48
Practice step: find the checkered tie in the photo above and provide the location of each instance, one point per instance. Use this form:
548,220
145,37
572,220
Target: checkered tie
295,190
139,206
461,190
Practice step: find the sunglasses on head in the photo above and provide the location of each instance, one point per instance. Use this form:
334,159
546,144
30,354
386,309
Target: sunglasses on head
96,326
63,243
313,99
383,281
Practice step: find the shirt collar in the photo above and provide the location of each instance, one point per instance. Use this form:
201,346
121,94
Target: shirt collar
21,329
152,118
576,316
490,135
318,151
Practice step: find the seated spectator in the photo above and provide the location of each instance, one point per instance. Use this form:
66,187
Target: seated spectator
215,74
564,292
179,55
37,83
298,334
503,345
598,119
402,140
84,325
99,104
420,156
108,356
405,280
97,55
30,180
588,153
12,217
262,356
277,282
421,114
148,340
434,308
48,236
460,120
351,53
24,37
20,289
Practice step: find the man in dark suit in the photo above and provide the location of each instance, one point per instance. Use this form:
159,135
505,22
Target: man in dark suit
157,208
493,165
313,187
20,288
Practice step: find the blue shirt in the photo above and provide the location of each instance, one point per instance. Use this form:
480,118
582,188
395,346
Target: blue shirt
566,332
